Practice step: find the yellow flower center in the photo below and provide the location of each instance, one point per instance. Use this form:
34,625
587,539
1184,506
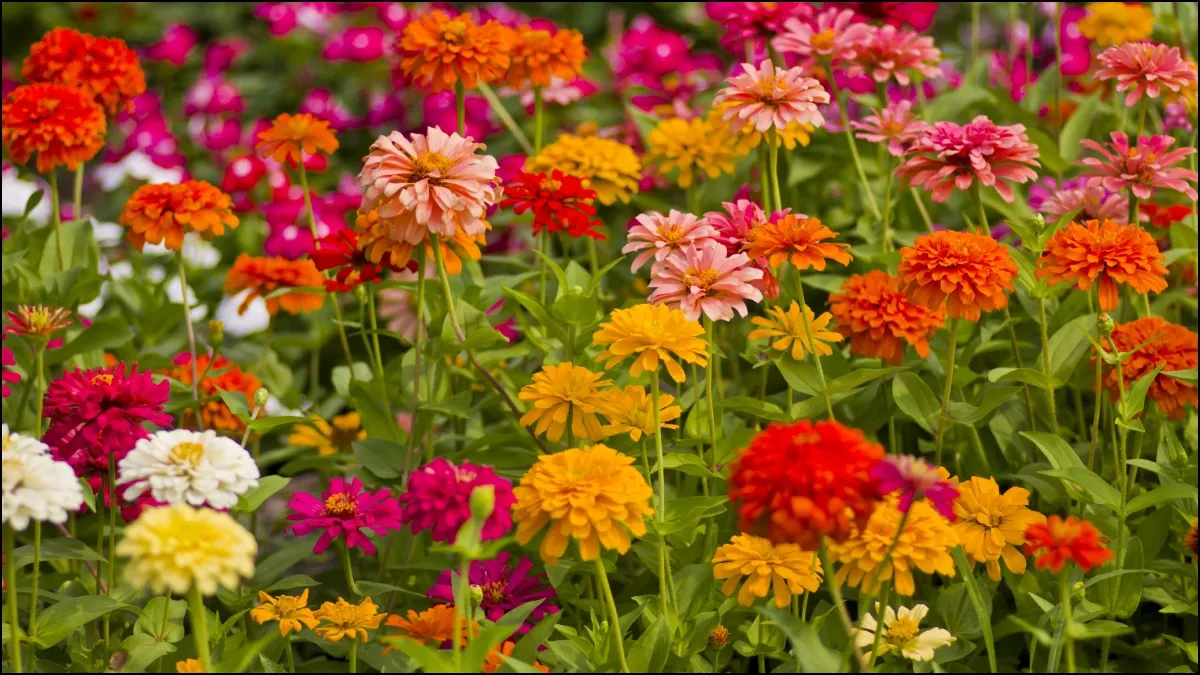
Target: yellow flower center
824,39
550,185
902,630
671,234
188,453
430,162
703,278
455,30
7,439
892,128
286,605
494,592
105,378
340,504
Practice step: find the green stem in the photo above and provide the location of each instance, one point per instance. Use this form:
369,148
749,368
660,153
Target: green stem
835,591
646,463
416,407
1047,367
191,333
114,505
941,427
387,403
708,394
36,572
1122,473
614,619
348,568
880,610
812,345
1069,642
545,246
199,628
78,215
460,107
981,615
56,219
312,228
539,119
460,604
764,179
39,359
858,166
773,166
887,212
354,656
921,208
507,119
291,658
661,510
14,611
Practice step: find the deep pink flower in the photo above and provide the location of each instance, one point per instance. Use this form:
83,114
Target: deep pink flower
221,55
439,495
322,104
771,97
7,359
833,35
656,236
243,174
290,235
753,22
505,587
213,96
706,280
890,52
215,134
916,480
732,226
1145,68
648,49
1091,200
1176,116
395,15
356,43
177,42
1143,169
895,124
283,17
384,109
950,156
919,15
344,512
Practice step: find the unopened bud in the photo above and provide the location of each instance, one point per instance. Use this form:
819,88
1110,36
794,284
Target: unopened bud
1039,222
360,293
483,502
261,396
476,594
719,637
216,333
1105,324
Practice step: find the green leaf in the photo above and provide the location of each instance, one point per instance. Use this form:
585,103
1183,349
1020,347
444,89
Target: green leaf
269,666
812,656
266,424
915,399
1099,628
981,603
576,309
1096,489
1129,586
1077,127
267,486
685,513
954,604
1048,151
56,549
103,334
1027,375
1068,345
1188,375
800,376
382,458
1135,397
458,405
375,420
649,653
1163,493
60,619
237,402
536,309
150,623
143,651
685,463
857,378
965,413
753,406
1061,455
293,581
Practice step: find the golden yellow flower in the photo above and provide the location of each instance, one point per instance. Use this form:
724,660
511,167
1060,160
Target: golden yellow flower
291,611
628,411
692,146
174,547
591,494
652,333
924,545
563,393
784,569
1115,23
345,620
189,666
787,330
610,168
329,438
991,526
748,137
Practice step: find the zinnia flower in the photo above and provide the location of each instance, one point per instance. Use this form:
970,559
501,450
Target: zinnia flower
832,35
60,123
969,273
1115,23
438,499
561,394
1106,252
189,666
398,306
37,487
783,569
38,320
651,333
329,438
1088,201
345,511
340,250
1191,540
264,276
1143,169
376,240
291,611
1146,69
1058,540
558,202
162,213
1154,341
505,587
751,24
797,238
916,480
785,329
874,312
216,375
890,52
493,660
537,56
173,548
104,68
705,280
347,620
438,52
894,124
950,156
7,358
657,236
733,226
194,467
591,494
20,444
991,526
433,626
799,482
902,634
296,138
772,97
628,411
693,146
924,545
610,168
1162,216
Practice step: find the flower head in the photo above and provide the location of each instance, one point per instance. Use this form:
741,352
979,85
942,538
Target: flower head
38,320
799,482
968,273
693,146
784,569
340,250
923,545
786,330
1144,168
1153,341
20,444
950,156
345,511
902,634
1162,216
433,626
295,138
60,123
797,238
290,611
162,213
561,394
705,280
377,242
751,24
629,411
1146,69
1089,201
558,201
438,52
505,587
591,494
1105,252
538,55
173,548
264,276
104,68
651,333
609,167
216,375
1061,539
874,312
195,467
347,620
37,487
657,236
733,226
332,437
189,666
770,96
991,525
916,480
833,35
890,52
7,358
894,124
1116,23
1191,540
438,499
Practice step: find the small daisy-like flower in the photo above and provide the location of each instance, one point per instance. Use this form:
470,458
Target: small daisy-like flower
785,330
296,138
346,620
332,437
1145,69
916,480
610,168
433,626
1144,168
705,280
968,273
60,123
991,525
104,68
558,202
438,52
537,56
344,512
438,499
19,444
924,545
1107,253
173,548
833,34
1059,540
37,487
628,411
874,312
650,334
770,96
264,276
564,394
896,125
657,236
796,238
1153,341
889,52
193,467
1115,23
692,146
950,156
783,569
902,634
38,320
290,611
162,213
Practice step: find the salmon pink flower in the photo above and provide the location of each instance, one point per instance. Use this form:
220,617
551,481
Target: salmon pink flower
888,52
833,34
705,279
1144,168
771,97
344,512
894,124
950,156
656,236
1146,69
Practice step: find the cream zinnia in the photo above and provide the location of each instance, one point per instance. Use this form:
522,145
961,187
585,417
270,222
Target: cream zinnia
38,487
19,444
193,467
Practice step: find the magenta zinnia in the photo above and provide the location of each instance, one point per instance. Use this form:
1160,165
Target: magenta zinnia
439,499
344,512
1144,168
705,279
505,587
951,156
916,480
1145,69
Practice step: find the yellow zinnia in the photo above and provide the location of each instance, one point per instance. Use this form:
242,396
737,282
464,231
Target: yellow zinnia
175,547
189,666
628,411
991,526
561,393
788,330
748,137
291,611
652,333
329,438
691,146
610,168
590,494
924,545
784,569
1114,23
345,620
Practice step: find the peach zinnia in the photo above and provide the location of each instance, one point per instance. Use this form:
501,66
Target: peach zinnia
833,34
264,276
967,272
771,97
1145,69
873,311
538,55
439,52
295,138
1104,251
657,236
106,69
798,238
706,279
1153,341
162,213
1143,168
61,124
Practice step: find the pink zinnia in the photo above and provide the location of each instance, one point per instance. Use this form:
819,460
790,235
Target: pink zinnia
895,124
753,22
888,51
732,226
8,359
772,97
439,500
656,235
707,280
1092,202
1145,68
916,480
1143,169
345,511
949,156
831,35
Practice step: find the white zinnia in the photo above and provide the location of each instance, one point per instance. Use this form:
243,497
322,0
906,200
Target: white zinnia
901,634
38,487
192,467
19,444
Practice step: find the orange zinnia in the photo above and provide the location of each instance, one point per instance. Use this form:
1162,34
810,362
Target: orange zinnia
437,52
795,237
378,246
872,310
434,626
1061,539
492,662
968,272
106,69
539,54
1108,251
1152,341
264,276
216,375
163,212
60,123
295,137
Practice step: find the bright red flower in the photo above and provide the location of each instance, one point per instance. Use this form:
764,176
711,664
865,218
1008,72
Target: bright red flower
340,250
559,202
1159,215
1060,540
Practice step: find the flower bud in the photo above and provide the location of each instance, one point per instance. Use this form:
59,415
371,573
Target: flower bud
1105,324
360,293
483,502
719,637
260,397
1039,223
476,594
216,333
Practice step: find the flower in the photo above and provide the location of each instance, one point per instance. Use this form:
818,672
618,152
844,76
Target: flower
216,375
561,394
751,24
37,487
199,468
345,620
950,156
438,52
1088,201
1116,23
162,213
696,145
657,236
719,637
399,307
874,312
1145,69
434,625
733,226
7,358
784,569
1058,540
1162,216
591,494
916,480
799,482
189,666
628,411
295,138
264,276
967,272
493,660
344,511
707,280
20,444
340,250
438,499
377,242
651,333
788,327
38,320
103,68
895,124
890,52
832,35
537,56
1191,539
173,548
291,611
924,545
60,123
771,97
332,437
900,634
610,168
797,238
991,526
1143,169
1152,341
558,201
505,587
1104,251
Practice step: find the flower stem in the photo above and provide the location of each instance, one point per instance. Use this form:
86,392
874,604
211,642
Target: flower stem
36,571
887,213
539,119
764,180
78,214
113,506
387,403
661,511
348,568
614,619
354,656
14,612
708,395
1096,413
646,462
39,360
858,166
880,610
545,245
1122,457
835,591
191,333
199,627
57,219
812,345
773,165
422,261
1046,365
941,426
921,208
460,108
507,119
1069,642
460,603
312,227
291,658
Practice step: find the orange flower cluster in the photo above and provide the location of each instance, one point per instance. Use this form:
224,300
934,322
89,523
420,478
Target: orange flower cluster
1106,251
60,123
874,312
1154,341
264,276
1058,540
106,69
378,246
294,137
222,375
162,213
795,238
539,54
968,272
438,52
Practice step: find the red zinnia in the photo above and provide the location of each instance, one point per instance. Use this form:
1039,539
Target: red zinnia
1159,215
340,250
1066,539
559,202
